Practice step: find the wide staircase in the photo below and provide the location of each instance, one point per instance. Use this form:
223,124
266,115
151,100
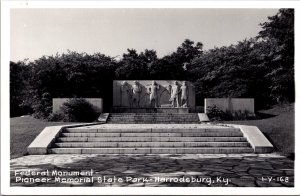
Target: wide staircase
152,118
150,139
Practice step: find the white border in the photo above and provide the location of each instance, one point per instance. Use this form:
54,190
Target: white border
5,58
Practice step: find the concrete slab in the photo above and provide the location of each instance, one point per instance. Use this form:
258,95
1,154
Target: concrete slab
43,141
203,117
103,117
256,138
231,104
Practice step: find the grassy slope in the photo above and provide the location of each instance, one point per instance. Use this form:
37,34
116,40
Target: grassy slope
279,129
23,130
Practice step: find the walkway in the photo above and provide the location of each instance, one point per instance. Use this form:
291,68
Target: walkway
243,170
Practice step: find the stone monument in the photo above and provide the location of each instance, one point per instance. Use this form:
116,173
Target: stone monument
159,96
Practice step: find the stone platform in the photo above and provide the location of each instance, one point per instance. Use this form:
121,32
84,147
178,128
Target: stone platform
153,118
168,110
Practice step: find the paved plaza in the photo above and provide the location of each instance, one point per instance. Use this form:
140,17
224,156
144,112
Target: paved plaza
199,170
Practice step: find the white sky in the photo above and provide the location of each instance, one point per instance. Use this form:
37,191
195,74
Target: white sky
38,32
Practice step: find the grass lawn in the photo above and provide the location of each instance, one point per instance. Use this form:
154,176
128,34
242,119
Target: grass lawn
23,130
279,128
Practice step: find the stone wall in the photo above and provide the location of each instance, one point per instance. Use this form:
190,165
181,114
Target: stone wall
58,102
230,104
123,97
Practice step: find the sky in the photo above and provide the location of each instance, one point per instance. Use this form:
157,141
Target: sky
38,32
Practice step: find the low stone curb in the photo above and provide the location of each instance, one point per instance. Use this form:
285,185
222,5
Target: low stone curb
256,138
44,140
203,117
103,117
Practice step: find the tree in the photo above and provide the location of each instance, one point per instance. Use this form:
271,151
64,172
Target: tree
233,71
136,66
188,51
70,75
19,86
279,32
174,66
261,67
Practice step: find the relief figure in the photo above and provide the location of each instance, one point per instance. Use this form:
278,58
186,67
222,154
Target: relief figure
184,95
136,94
175,95
152,90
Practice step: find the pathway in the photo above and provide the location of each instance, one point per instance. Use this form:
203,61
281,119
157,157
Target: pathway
242,170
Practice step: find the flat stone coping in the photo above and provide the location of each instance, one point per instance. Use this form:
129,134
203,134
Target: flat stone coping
203,117
256,138
42,142
155,126
103,117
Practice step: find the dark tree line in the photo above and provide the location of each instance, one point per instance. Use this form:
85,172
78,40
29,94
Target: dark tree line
261,67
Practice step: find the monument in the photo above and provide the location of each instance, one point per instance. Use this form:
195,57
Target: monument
159,96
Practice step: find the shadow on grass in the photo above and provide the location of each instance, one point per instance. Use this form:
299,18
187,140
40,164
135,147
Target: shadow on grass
260,115
241,171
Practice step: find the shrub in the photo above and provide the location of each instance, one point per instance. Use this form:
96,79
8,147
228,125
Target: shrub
56,117
42,108
216,114
78,110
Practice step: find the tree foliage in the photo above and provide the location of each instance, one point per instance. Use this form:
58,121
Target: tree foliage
261,67
234,71
174,66
19,88
279,32
134,65
70,75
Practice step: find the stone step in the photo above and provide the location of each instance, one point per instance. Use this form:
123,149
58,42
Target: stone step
203,134
150,122
148,144
151,118
151,139
155,118
148,130
181,116
138,118
152,114
150,150
146,116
